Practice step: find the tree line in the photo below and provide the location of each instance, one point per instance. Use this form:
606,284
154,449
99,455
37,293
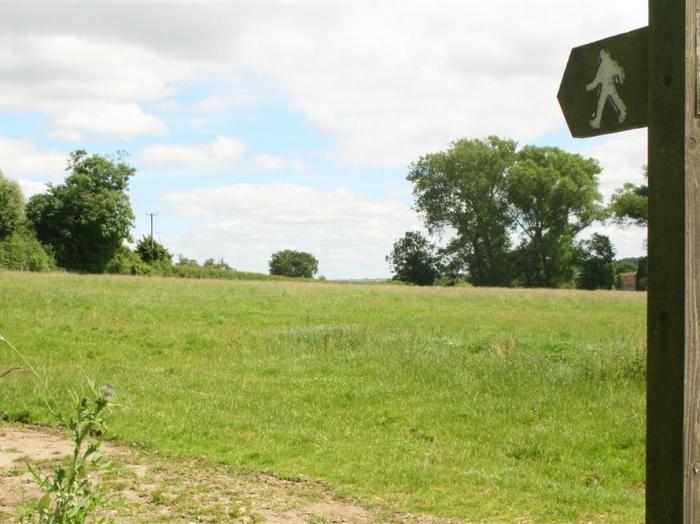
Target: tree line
511,217
84,224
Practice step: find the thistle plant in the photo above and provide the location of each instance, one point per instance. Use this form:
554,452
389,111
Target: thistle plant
69,494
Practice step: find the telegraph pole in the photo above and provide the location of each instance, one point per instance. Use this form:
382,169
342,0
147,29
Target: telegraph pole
153,249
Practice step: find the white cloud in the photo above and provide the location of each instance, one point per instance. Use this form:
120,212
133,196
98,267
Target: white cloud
220,155
85,85
123,121
21,158
622,157
268,162
390,80
31,188
350,233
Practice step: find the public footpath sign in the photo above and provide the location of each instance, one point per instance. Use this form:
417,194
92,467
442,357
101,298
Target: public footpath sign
604,89
649,77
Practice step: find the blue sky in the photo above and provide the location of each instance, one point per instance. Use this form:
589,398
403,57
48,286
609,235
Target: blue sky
257,126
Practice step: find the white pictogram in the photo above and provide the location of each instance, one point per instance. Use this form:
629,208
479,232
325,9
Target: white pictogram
610,74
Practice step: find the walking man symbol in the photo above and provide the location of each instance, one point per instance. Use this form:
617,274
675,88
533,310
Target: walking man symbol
610,74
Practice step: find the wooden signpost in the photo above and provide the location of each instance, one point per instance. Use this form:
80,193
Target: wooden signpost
649,77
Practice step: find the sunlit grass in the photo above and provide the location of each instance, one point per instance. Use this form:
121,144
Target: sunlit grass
484,404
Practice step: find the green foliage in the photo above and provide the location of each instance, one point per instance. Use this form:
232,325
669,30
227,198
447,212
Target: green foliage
597,260
127,262
487,193
152,251
641,276
629,204
413,259
70,495
463,189
85,219
290,263
552,196
627,265
11,206
217,264
184,261
21,251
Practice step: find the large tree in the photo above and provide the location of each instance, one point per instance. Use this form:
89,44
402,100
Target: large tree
11,206
463,190
552,196
413,259
290,263
85,219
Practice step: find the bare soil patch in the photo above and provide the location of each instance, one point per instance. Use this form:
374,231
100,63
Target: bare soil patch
151,487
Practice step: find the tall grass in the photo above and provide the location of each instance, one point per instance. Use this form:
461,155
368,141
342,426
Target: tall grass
482,404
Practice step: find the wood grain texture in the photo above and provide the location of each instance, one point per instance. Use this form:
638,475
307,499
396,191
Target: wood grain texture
692,264
666,319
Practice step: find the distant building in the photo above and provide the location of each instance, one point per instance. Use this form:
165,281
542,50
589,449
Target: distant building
629,282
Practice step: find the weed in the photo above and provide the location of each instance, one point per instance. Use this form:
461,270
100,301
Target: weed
69,494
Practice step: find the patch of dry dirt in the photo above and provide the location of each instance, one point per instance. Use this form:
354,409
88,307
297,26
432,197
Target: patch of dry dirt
150,487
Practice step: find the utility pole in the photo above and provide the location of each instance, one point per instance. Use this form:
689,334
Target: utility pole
153,248
649,77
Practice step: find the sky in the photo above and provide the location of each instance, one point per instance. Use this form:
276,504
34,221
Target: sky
264,125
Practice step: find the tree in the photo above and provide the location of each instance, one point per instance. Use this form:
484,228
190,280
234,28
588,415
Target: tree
152,251
413,259
214,264
11,206
85,219
463,189
629,204
597,259
641,275
552,195
290,263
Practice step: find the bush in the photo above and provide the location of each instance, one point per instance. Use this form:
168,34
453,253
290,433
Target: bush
151,251
126,262
21,251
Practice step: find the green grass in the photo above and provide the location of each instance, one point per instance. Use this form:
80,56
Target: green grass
482,404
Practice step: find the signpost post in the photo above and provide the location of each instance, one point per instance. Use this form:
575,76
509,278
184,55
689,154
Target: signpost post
649,77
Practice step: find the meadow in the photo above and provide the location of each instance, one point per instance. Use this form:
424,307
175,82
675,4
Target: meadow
487,405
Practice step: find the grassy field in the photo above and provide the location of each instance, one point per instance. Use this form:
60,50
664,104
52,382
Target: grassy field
481,404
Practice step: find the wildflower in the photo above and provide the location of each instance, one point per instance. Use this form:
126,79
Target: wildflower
108,392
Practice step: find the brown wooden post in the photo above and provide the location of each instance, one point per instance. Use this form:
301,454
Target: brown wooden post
673,463
650,77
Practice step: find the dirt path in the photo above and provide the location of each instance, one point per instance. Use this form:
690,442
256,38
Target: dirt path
149,487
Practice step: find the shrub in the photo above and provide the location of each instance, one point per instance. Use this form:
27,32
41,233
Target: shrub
126,262
21,251
151,251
